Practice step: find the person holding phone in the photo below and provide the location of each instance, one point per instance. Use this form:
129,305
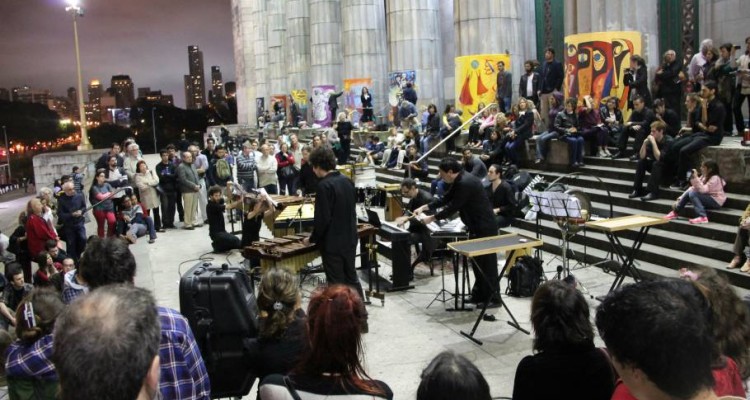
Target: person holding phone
706,191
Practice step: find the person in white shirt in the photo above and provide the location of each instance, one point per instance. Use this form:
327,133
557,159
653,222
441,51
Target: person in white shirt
267,167
201,165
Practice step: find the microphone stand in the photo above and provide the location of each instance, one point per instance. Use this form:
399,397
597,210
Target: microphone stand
298,215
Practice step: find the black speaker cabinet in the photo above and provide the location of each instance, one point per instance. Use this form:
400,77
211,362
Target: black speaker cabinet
219,304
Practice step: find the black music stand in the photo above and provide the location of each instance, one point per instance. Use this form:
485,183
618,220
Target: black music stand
509,243
450,231
564,208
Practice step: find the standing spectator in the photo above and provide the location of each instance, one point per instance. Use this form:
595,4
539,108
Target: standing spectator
367,111
741,241
202,165
308,182
706,191
669,79
168,184
286,171
332,366
100,195
333,102
13,293
78,178
550,80
70,213
131,161
116,178
344,129
220,171
724,72
522,131
529,85
295,149
183,144
504,94
246,166
742,89
651,158
452,376
409,93
209,150
147,182
636,77
638,125
189,183
114,151
565,356
695,69
267,170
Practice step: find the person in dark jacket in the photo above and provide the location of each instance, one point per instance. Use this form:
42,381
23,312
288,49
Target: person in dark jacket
550,80
308,181
333,103
114,151
167,174
472,164
501,196
668,116
70,208
522,131
344,130
367,111
528,86
669,83
636,77
409,93
637,126
418,232
504,94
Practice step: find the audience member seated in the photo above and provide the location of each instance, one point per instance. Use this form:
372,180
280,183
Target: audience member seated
419,233
741,242
374,150
332,366
472,164
57,254
73,286
668,117
418,170
706,191
451,121
183,374
18,246
592,127
566,123
106,346
492,149
612,118
650,158
695,114
221,240
136,224
13,293
45,269
676,360
637,126
393,156
522,131
282,339
451,376
432,130
542,141
28,363
474,136
565,358
57,280
487,124
502,197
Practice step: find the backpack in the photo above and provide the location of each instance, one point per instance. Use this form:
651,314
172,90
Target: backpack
525,277
223,171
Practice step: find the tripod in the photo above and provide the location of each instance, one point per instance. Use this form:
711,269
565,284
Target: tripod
442,254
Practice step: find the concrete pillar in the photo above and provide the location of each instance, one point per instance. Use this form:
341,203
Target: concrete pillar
495,28
618,15
244,60
297,58
260,45
364,46
448,50
276,46
414,44
326,62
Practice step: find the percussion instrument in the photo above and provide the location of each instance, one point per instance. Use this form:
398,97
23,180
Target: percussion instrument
394,206
289,251
281,202
293,219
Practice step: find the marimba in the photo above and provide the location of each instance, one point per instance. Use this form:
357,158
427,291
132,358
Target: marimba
283,202
293,219
289,251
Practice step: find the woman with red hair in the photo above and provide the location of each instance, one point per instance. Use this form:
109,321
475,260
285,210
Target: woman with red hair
331,367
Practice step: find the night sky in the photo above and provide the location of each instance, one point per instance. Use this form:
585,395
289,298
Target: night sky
146,39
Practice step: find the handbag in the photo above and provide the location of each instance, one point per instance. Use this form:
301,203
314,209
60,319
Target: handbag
288,171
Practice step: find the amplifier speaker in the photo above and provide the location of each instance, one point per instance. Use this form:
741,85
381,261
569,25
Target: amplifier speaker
219,304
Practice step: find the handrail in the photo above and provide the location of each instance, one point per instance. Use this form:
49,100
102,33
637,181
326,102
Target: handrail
427,153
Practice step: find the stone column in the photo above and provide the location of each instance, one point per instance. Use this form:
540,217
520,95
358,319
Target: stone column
326,64
244,60
448,50
364,47
260,45
297,57
276,46
495,28
414,43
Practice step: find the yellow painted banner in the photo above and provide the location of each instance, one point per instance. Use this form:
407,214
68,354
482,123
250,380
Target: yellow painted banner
476,81
352,99
300,97
595,64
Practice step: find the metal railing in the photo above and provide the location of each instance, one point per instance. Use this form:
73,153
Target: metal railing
450,136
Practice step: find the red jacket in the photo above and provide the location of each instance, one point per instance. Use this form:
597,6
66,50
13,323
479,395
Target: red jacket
37,234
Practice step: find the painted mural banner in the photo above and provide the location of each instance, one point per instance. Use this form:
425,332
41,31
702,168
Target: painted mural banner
300,98
352,96
321,113
476,81
595,65
396,82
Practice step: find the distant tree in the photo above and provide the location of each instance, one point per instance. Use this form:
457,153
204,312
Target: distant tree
103,135
29,122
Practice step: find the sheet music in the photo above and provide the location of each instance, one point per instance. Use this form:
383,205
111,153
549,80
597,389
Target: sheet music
394,227
454,225
556,204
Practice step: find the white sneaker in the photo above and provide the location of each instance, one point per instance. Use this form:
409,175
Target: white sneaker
601,154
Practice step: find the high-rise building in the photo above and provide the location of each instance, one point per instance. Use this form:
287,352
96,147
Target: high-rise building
94,107
195,82
26,94
156,97
73,100
4,94
230,89
217,85
61,105
143,92
124,92
108,104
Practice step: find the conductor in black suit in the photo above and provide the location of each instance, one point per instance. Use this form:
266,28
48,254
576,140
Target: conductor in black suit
335,221
467,197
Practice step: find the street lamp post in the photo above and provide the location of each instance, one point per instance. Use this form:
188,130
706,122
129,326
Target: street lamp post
153,127
7,152
76,11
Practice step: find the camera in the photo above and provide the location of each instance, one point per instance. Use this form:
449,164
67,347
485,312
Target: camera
737,47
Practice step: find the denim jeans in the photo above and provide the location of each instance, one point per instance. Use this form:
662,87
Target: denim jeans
542,143
575,144
701,202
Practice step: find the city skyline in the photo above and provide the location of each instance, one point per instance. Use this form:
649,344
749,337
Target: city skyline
38,42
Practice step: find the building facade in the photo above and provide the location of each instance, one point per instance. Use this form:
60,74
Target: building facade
195,81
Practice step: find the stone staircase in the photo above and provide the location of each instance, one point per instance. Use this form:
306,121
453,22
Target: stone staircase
667,247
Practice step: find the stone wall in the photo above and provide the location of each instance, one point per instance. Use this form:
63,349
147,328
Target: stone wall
51,166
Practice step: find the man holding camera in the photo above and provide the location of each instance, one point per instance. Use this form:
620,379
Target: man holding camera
651,159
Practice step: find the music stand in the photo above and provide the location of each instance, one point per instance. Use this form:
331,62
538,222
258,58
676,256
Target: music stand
453,230
565,209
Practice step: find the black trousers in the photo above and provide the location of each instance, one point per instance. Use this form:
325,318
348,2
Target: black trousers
739,100
638,134
224,241
656,168
168,203
339,269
